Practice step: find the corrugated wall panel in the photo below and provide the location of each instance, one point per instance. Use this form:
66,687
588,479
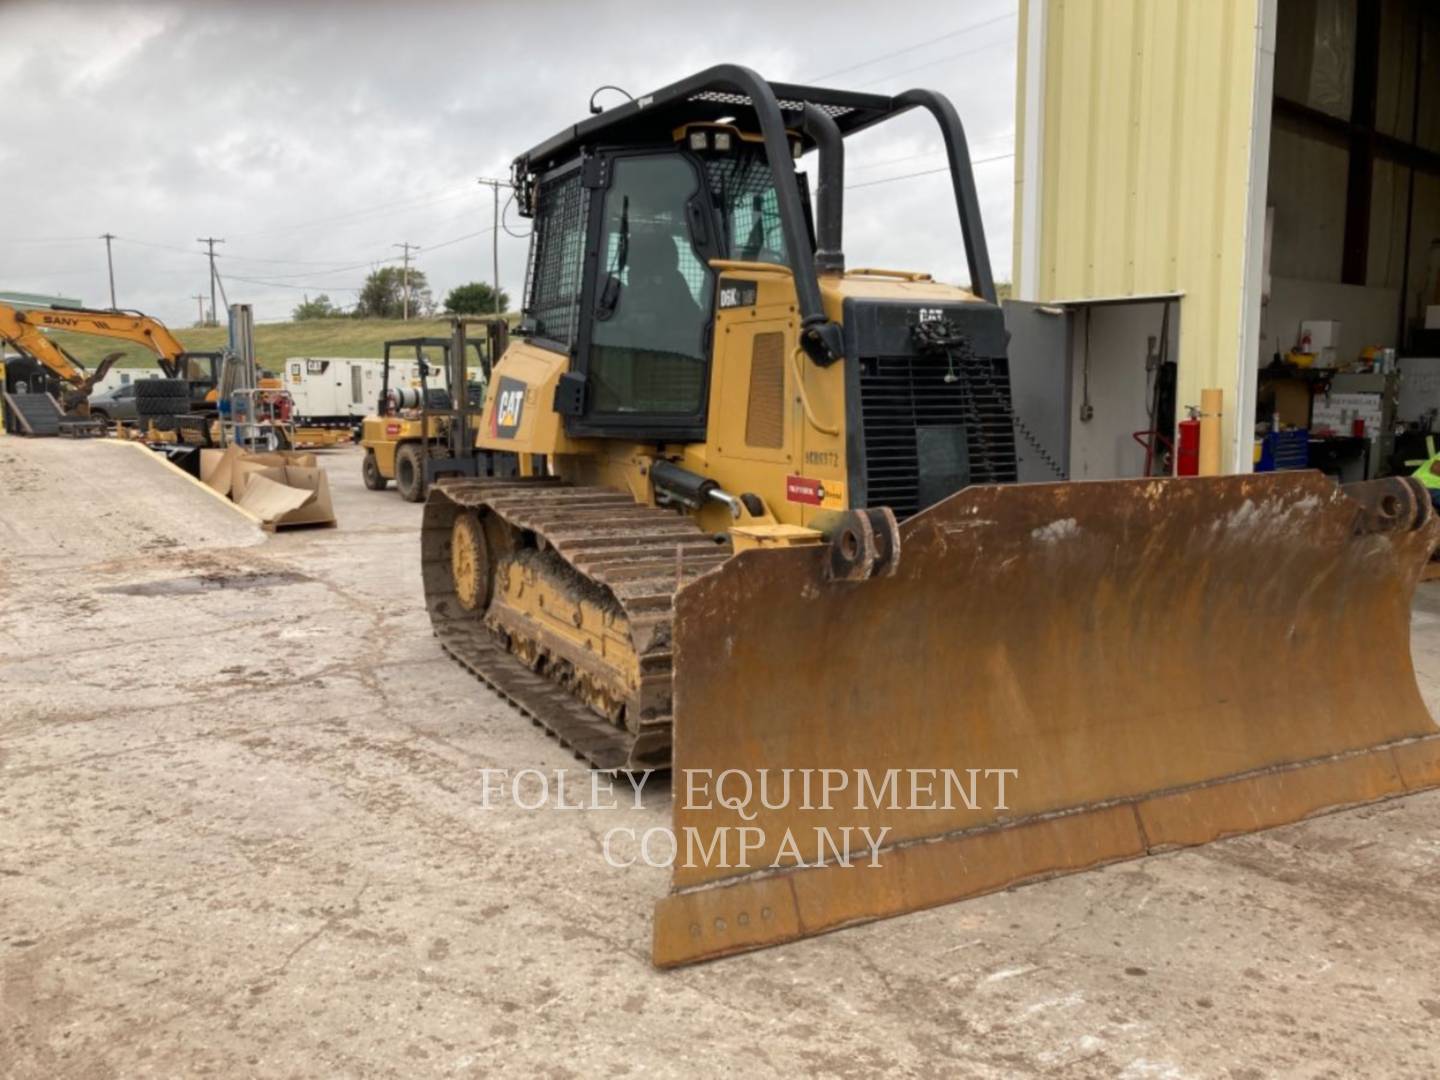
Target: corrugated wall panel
1145,165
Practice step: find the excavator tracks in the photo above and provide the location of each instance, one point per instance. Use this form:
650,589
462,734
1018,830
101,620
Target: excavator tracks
560,598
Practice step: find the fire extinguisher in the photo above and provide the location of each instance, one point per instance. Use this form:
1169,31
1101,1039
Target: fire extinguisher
1187,455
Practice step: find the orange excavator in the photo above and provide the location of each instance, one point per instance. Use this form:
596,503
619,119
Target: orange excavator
17,330
24,328
191,378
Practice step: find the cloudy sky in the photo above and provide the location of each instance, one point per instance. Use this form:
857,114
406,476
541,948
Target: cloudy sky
314,137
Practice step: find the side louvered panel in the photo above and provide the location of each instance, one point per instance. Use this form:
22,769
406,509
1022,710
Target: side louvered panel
765,412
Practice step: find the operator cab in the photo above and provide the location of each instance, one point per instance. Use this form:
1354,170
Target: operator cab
642,318
639,211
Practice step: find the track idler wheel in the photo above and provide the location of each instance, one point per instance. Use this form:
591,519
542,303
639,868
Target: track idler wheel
470,562
865,544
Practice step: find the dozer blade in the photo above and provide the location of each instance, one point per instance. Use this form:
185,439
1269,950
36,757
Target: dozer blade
1159,662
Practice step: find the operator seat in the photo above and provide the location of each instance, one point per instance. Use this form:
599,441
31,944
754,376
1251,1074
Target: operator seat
656,293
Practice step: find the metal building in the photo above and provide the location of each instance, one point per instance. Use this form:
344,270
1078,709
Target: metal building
1239,157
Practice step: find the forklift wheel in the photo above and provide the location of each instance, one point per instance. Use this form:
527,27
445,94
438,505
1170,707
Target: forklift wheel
371,472
410,473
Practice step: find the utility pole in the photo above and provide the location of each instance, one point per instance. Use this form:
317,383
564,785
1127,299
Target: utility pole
199,299
495,238
406,246
110,263
210,242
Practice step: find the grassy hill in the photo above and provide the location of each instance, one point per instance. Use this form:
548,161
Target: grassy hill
273,341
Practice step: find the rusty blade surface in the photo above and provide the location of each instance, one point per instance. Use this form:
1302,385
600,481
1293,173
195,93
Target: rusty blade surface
1160,663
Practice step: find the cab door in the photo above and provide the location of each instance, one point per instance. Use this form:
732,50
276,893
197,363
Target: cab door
647,308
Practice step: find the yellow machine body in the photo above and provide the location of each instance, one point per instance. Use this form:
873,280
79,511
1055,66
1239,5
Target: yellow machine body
773,415
864,715
385,435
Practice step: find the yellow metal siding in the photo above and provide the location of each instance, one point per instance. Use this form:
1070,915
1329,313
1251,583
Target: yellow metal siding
1145,163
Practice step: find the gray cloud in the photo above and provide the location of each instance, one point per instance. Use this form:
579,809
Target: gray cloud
314,136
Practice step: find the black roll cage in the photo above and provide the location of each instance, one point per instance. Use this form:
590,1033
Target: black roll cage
731,90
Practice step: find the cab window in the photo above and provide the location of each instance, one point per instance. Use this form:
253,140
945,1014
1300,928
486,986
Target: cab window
743,189
652,294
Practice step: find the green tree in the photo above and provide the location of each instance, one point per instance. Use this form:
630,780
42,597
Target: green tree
476,298
319,308
383,296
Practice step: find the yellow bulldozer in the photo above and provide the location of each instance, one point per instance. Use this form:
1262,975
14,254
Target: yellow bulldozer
751,515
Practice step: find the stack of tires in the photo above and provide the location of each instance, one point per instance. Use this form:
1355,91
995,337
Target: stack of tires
161,401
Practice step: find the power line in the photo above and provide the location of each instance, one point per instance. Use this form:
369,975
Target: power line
932,63
458,239
49,239
926,172
331,269
849,168
912,48
298,288
232,257
160,247
366,213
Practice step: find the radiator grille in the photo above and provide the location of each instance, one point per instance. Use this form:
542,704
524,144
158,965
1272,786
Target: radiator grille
901,394
765,414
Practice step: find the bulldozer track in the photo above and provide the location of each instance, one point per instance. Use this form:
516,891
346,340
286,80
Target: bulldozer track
626,555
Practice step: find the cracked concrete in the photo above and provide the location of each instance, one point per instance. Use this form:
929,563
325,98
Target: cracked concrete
241,833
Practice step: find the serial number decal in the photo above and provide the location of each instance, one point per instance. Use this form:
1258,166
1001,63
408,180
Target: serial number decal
823,457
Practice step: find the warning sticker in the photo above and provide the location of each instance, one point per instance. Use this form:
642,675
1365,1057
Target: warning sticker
803,489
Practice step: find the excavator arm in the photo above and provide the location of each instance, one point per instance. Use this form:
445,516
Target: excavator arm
16,330
20,332
24,328
129,326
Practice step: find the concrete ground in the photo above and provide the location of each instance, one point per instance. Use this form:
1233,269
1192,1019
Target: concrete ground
241,833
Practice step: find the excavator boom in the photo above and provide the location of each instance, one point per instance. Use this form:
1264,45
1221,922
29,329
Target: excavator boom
24,328
129,326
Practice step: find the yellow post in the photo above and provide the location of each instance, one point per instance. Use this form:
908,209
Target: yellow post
1210,412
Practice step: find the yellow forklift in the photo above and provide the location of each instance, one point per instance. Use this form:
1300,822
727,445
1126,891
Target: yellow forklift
423,430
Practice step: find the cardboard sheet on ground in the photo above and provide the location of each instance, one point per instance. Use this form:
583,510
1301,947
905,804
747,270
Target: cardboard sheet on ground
288,495
280,487
271,501
227,470
217,469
